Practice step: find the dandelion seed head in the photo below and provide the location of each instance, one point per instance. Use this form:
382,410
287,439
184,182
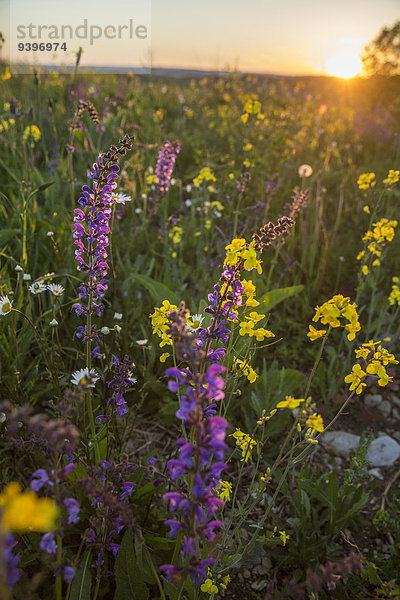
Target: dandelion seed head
305,171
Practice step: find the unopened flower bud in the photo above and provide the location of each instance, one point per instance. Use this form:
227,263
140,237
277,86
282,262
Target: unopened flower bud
53,323
105,330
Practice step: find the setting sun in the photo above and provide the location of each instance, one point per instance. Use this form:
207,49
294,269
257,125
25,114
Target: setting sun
344,64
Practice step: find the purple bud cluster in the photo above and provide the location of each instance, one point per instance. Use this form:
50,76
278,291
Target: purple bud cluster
122,381
227,297
165,164
91,232
243,182
272,185
201,460
299,201
110,490
223,300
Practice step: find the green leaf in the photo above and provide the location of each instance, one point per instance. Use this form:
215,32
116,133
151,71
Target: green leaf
7,234
158,290
159,543
130,584
82,582
272,298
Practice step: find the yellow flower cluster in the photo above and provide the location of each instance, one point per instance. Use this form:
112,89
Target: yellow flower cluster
151,179
282,534
176,234
205,175
249,289
290,402
245,443
5,124
224,490
159,320
330,314
31,134
314,423
22,512
395,293
7,74
252,107
246,369
311,419
215,205
393,177
376,359
247,327
264,418
366,180
210,586
238,250
377,238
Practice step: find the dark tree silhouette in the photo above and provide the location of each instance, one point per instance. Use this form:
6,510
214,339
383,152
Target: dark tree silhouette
382,55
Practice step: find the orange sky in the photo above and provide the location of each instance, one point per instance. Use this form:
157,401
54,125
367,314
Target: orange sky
275,36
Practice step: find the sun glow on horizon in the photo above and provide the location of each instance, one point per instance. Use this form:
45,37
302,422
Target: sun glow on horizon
345,64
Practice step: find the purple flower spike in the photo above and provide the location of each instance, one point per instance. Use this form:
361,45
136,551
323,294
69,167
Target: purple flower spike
91,232
165,164
199,463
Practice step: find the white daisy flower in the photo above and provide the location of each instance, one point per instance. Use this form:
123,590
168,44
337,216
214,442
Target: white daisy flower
196,321
37,287
5,305
50,233
117,316
53,323
56,289
188,202
26,277
121,198
18,268
85,378
141,342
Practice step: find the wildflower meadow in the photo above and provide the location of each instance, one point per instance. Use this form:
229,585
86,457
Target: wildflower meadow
199,337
